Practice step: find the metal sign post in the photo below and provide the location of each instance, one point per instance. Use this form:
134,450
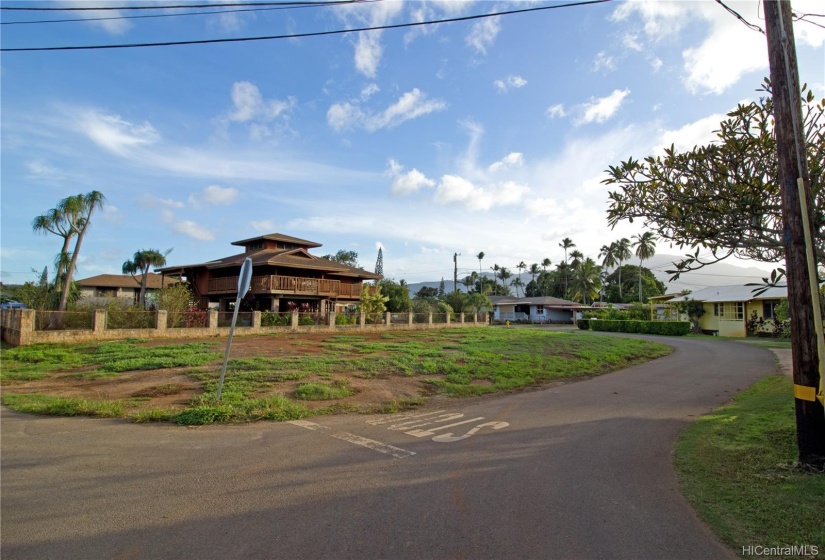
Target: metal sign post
244,279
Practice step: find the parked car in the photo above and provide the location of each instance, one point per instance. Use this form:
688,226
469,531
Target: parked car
12,305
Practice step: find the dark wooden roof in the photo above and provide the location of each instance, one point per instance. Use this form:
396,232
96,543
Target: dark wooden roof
278,237
153,281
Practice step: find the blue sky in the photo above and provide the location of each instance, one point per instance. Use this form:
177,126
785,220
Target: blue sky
488,135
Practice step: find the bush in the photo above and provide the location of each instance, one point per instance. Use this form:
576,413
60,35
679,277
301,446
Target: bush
668,328
584,324
342,319
273,319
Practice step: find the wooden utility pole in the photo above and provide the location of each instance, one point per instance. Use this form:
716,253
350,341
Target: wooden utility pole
455,271
793,165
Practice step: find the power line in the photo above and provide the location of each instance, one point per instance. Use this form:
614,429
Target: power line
302,35
740,18
76,20
156,7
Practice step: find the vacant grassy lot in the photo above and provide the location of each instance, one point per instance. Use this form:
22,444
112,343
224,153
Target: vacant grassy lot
737,468
291,376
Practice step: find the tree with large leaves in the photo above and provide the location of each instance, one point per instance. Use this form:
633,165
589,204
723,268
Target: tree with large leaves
140,263
622,254
586,281
645,248
723,196
349,258
56,221
566,244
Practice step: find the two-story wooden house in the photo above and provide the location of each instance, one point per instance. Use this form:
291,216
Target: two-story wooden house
283,271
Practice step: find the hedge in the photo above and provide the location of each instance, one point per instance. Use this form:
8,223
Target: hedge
670,328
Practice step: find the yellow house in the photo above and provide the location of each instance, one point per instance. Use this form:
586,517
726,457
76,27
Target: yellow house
728,308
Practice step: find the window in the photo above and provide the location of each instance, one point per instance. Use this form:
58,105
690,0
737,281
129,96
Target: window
540,309
769,308
732,311
716,309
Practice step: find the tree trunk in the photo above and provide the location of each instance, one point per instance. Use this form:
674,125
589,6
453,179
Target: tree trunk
810,417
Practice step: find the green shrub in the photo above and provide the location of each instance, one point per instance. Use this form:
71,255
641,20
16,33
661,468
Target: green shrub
584,324
273,319
668,328
342,319
323,391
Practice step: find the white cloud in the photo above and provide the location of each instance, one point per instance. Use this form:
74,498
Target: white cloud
725,56
513,159
604,61
693,134
483,34
213,194
510,82
266,226
39,170
407,183
454,189
369,91
410,105
556,111
368,52
110,25
152,202
193,230
368,48
114,134
601,109
111,214
249,104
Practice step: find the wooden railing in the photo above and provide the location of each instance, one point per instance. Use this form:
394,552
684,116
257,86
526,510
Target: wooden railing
272,284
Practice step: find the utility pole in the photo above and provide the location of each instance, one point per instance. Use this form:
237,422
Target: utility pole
455,271
796,199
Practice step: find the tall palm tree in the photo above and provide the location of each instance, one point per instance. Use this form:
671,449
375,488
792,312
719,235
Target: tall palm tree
517,283
645,248
576,258
504,274
566,244
544,264
534,270
55,221
495,268
141,262
78,211
479,257
608,255
622,254
521,267
586,281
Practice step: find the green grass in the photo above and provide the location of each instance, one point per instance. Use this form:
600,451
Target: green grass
458,363
737,467
63,406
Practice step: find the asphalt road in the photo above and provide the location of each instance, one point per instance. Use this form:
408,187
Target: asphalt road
579,470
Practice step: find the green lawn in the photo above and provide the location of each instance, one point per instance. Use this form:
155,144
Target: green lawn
737,467
306,369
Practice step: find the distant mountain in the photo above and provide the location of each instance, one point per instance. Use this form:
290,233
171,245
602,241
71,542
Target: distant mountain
719,274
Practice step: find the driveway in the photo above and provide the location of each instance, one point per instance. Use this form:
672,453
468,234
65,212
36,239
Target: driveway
576,470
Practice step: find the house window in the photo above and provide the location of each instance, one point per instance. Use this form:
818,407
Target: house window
540,309
769,308
255,246
107,292
716,309
732,311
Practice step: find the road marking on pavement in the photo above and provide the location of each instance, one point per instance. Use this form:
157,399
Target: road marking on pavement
357,440
410,422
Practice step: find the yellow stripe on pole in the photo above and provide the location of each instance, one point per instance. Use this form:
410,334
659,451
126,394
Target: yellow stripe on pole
804,393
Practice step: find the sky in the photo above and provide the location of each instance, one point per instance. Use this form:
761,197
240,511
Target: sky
488,134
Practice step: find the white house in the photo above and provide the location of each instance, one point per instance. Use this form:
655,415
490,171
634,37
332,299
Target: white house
535,309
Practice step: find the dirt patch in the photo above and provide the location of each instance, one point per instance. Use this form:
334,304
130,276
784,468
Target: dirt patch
173,388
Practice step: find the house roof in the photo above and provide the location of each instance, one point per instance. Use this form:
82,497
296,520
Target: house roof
732,293
290,258
279,237
545,301
153,281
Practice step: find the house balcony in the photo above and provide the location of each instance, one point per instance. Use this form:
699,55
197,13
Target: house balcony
287,285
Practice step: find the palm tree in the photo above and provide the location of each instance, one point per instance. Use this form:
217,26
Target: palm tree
576,259
521,267
54,221
517,283
495,268
534,270
566,244
645,248
78,211
544,264
504,274
141,262
479,257
587,280
608,255
622,254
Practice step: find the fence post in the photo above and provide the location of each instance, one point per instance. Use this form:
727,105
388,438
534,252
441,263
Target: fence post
461,317
161,320
448,318
475,318
410,316
294,319
388,319
430,319
362,320
26,326
256,319
99,320
212,320
332,316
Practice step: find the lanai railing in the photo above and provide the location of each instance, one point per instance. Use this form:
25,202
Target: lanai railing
276,284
